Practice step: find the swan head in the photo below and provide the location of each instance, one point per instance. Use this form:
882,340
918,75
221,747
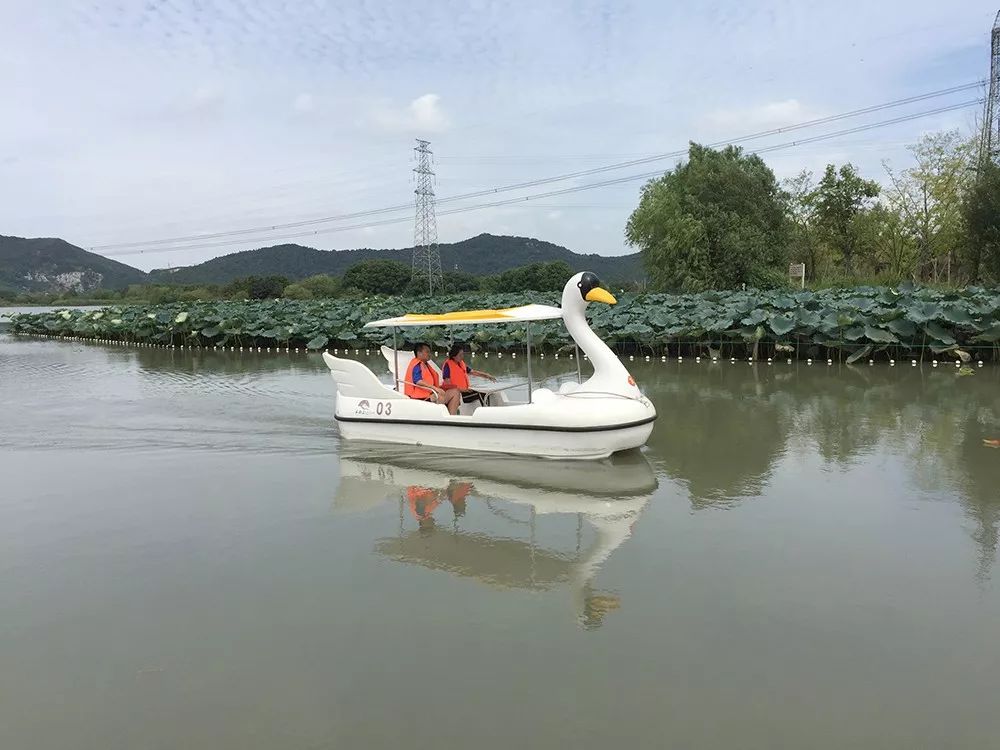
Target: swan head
583,288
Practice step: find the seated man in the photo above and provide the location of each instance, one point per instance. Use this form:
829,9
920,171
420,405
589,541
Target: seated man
421,381
455,373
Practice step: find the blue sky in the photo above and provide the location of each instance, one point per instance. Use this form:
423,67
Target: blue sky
126,121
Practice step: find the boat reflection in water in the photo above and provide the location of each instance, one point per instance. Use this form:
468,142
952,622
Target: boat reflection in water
509,522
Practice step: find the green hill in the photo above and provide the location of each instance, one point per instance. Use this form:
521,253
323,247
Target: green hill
47,264
482,255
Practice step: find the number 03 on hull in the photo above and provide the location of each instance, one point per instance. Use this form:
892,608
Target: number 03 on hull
602,415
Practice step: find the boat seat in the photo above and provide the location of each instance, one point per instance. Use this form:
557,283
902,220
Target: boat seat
357,381
403,358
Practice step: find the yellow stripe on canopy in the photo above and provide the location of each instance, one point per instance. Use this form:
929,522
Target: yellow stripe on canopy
523,314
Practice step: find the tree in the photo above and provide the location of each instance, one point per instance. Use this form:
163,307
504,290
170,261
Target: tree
890,247
839,200
460,281
378,276
536,277
266,287
320,285
717,221
297,291
981,214
928,198
804,245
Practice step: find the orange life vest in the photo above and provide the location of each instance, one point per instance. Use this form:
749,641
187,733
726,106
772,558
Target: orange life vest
427,376
422,501
456,374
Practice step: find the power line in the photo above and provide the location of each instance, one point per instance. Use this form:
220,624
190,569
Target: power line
544,180
577,188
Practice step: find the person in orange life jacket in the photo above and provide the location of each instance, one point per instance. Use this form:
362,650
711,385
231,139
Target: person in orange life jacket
457,492
421,381
456,372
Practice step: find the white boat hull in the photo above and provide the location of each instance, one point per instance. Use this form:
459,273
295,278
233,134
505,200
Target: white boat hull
510,439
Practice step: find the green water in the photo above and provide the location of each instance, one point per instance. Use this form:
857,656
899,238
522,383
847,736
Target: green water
802,557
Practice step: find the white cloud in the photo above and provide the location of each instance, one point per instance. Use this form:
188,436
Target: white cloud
304,103
768,115
553,215
422,115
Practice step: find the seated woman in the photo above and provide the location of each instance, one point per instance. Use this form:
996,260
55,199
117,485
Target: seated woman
455,374
421,381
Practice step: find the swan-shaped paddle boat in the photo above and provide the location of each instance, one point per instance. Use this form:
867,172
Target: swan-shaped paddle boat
602,415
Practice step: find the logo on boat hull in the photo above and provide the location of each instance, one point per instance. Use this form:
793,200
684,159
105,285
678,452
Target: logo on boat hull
363,407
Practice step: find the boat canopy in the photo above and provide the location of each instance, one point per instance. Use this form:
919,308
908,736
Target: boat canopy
523,314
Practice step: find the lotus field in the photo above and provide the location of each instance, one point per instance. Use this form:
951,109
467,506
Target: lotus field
855,323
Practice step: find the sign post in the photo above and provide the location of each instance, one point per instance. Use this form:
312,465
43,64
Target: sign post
797,271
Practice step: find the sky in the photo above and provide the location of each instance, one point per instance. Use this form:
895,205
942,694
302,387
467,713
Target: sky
131,122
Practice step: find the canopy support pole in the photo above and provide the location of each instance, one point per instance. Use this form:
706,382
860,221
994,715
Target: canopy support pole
395,362
529,362
576,356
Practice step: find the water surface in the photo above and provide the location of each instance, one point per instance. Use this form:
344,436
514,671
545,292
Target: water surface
189,557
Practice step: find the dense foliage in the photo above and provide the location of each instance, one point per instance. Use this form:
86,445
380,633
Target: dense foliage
714,222
858,322
719,220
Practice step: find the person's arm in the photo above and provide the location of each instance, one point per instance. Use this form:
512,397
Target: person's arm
446,376
480,374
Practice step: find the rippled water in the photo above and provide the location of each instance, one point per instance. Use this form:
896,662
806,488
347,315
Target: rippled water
189,558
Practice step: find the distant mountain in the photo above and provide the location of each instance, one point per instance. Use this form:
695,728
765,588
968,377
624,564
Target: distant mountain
53,265
482,255
49,265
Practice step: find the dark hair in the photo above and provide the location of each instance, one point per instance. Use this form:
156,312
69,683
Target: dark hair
457,347
418,346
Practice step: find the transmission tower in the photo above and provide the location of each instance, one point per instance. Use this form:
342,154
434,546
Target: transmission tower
989,147
426,256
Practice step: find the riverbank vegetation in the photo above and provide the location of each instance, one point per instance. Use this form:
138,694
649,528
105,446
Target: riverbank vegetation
850,324
721,219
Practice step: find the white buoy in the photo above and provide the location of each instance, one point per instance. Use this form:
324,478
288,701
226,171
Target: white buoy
980,363
934,363
892,363
829,361
663,358
871,361
788,361
732,360
513,355
647,358
680,359
631,358
715,359
958,364
697,359
913,363
809,361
